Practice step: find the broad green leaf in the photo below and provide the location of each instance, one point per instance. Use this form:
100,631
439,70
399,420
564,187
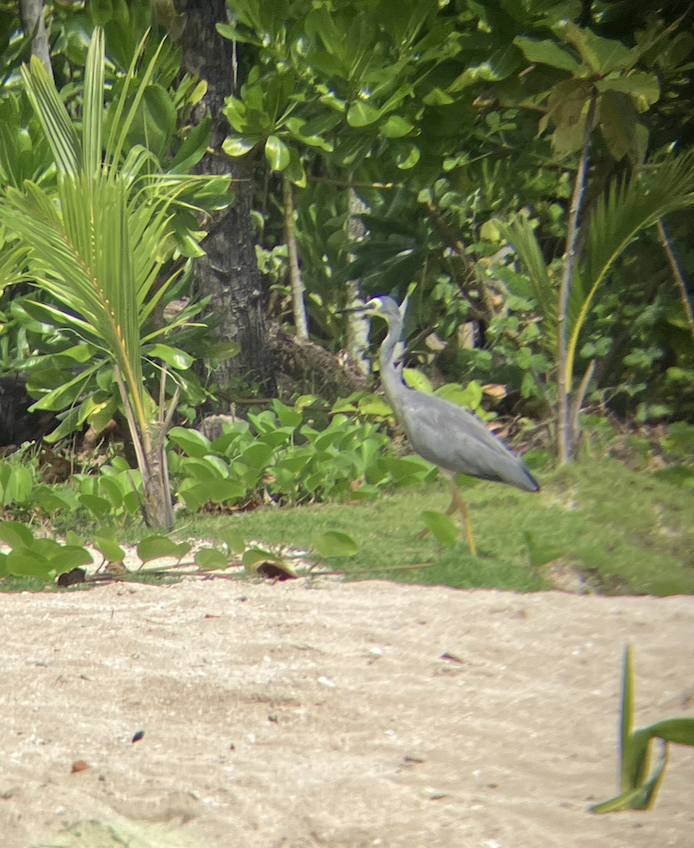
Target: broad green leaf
255,555
112,491
277,153
288,417
233,34
407,156
257,456
20,485
191,441
155,547
193,148
240,145
69,557
334,544
442,527
332,101
25,563
50,502
106,542
220,491
98,506
233,540
602,55
396,127
361,114
547,52
16,535
438,97
642,89
618,122
222,350
209,559
171,356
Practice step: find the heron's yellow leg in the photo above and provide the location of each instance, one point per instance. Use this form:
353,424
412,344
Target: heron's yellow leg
457,505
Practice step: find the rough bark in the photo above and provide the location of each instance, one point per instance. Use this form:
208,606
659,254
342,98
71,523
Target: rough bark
229,273
34,21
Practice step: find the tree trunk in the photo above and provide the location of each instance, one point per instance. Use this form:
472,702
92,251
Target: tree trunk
229,273
34,21
564,425
357,323
297,286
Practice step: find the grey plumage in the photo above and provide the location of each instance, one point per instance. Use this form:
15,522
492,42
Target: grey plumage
441,432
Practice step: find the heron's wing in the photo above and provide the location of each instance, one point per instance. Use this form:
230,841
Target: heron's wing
458,441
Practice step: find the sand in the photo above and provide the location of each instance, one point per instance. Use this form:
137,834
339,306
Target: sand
336,714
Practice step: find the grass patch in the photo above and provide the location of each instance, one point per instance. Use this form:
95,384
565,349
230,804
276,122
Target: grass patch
626,532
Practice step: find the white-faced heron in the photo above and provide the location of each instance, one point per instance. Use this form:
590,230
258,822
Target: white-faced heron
441,432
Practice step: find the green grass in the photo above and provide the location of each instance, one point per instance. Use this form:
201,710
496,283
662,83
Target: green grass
626,532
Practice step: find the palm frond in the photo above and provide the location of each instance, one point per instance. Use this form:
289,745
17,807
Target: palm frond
625,210
53,117
521,234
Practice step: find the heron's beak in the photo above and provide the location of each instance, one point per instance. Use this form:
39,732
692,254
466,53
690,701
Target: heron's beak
370,307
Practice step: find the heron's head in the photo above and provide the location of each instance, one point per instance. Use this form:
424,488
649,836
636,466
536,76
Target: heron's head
384,307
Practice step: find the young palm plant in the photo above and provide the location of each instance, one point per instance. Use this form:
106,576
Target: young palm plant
98,247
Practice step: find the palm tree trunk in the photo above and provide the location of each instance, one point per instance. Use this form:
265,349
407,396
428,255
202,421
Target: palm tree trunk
31,13
564,439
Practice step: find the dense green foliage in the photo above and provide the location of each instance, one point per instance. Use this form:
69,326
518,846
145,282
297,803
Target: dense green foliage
521,171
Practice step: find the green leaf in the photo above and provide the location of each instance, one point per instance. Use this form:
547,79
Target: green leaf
396,127
112,491
191,441
172,356
442,527
221,350
98,506
193,148
16,535
106,542
233,540
220,491
547,52
254,555
602,55
257,455
438,97
155,547
334,544
240,145
361,114
209,559
24,563
277,153
642,89
69,557
407,156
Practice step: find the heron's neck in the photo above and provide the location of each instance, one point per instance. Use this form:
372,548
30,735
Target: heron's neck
390,376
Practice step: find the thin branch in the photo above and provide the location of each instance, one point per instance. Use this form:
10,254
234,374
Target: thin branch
678,274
